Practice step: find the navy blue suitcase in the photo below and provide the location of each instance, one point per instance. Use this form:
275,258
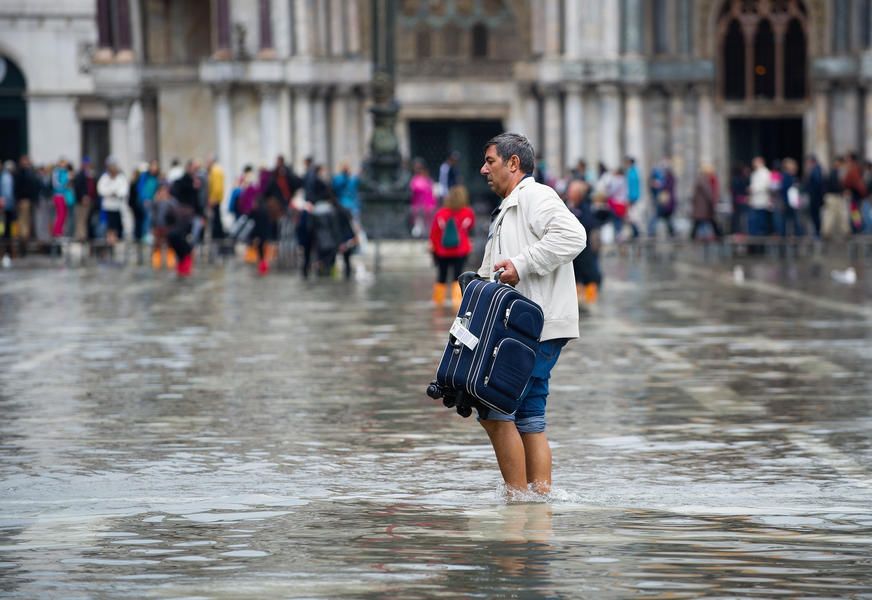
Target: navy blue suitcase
491,349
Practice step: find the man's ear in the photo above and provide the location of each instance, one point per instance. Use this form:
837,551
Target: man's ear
514,163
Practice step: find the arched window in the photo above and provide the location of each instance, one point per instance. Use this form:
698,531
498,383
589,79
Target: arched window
775,34
764,61
734,62
13,111
794,65
479,41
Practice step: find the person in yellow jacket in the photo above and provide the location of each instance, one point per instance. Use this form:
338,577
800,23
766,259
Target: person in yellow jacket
215,195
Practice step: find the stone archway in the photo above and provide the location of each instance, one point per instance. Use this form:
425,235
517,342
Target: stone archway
13,110
706,38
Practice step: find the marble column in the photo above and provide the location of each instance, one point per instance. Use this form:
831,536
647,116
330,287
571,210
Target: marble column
224,130
553,148
221,17
136,133
531,119
705,123
572,30
303,129
119,133
611,28
322,25
286,125
303,27
320,134
610,125
339,128
353,131
574,119
634,129
269,123
633,31
551,27
677,140
338,38
352,16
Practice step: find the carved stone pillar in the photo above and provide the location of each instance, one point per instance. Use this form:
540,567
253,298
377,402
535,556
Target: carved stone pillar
552,27
223,128
302,125
119,133
633,33
531,119
705,123
634,129
269,120
574,119
610,126
817,123
553,149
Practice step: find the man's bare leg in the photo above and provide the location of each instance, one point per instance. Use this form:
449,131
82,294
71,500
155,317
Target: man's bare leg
538,461
509,449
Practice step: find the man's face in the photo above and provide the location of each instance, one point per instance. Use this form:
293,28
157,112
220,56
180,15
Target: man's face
497,171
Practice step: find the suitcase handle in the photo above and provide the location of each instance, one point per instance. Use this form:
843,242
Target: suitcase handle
468,276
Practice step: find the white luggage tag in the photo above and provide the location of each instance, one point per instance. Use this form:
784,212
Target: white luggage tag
462,334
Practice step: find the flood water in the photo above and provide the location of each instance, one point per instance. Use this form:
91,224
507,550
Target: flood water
237,437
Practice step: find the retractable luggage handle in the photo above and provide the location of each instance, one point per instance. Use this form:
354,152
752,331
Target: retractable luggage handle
468,276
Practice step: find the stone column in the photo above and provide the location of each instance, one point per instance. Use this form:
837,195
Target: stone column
610,126
224,130
119,133
572,30
677,137
531,119
136,133
265,48
303,27
338,38
221,24
553,148
633,32
303,129
552,27
286,125
322,27
705,123
353,25
320,135
574,119
634,134
611,28
353,131
339,128
269,123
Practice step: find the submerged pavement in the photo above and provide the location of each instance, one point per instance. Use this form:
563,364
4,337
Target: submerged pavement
237,437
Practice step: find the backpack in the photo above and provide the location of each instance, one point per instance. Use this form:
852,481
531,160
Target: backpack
450,234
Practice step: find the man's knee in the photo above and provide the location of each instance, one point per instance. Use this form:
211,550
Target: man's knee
531,424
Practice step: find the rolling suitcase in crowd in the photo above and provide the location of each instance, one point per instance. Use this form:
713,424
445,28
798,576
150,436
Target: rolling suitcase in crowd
491,349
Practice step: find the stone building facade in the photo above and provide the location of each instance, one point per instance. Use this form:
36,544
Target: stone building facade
698,80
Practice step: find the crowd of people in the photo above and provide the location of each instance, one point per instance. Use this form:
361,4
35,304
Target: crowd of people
173,211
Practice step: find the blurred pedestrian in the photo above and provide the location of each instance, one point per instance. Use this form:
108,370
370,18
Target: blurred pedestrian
266,216
450,242
661,184
163,217
835,221
449,174
423,202
345,187
635,212
855,190
113,188
791,200
175,172
814,185
85,188
62,196
215,196
616,192
7,210
760,201
703,203
135,205
586,267
740,180
146,188
27,195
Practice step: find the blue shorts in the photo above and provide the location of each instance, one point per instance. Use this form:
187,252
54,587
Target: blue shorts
530,416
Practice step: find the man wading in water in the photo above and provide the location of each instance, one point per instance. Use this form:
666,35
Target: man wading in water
534,238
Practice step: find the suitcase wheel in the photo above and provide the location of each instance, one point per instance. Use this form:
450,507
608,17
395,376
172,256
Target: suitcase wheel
464,411
449,401
434,390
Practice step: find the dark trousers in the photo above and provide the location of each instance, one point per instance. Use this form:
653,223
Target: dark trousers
698,223
217,225
444,264
586,267
8,220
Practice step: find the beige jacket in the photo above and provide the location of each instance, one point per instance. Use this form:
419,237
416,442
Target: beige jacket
536,231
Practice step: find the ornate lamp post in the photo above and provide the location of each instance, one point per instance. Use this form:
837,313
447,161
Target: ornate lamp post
384,184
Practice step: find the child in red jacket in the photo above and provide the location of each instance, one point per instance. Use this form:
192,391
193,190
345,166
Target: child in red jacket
450,243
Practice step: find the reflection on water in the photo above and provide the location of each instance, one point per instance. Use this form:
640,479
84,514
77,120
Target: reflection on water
235,437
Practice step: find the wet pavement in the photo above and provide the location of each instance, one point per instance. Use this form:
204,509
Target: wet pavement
237,437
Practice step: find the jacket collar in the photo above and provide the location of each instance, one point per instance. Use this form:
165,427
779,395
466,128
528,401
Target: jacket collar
512,199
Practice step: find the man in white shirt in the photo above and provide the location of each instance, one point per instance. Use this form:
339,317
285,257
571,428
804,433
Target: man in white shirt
533,238
760,200
113,189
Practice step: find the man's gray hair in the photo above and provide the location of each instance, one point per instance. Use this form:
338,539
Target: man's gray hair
508,144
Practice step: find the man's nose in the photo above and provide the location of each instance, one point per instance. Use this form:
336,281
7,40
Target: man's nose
483,169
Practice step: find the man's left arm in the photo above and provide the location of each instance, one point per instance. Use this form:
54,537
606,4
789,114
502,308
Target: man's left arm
561,236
